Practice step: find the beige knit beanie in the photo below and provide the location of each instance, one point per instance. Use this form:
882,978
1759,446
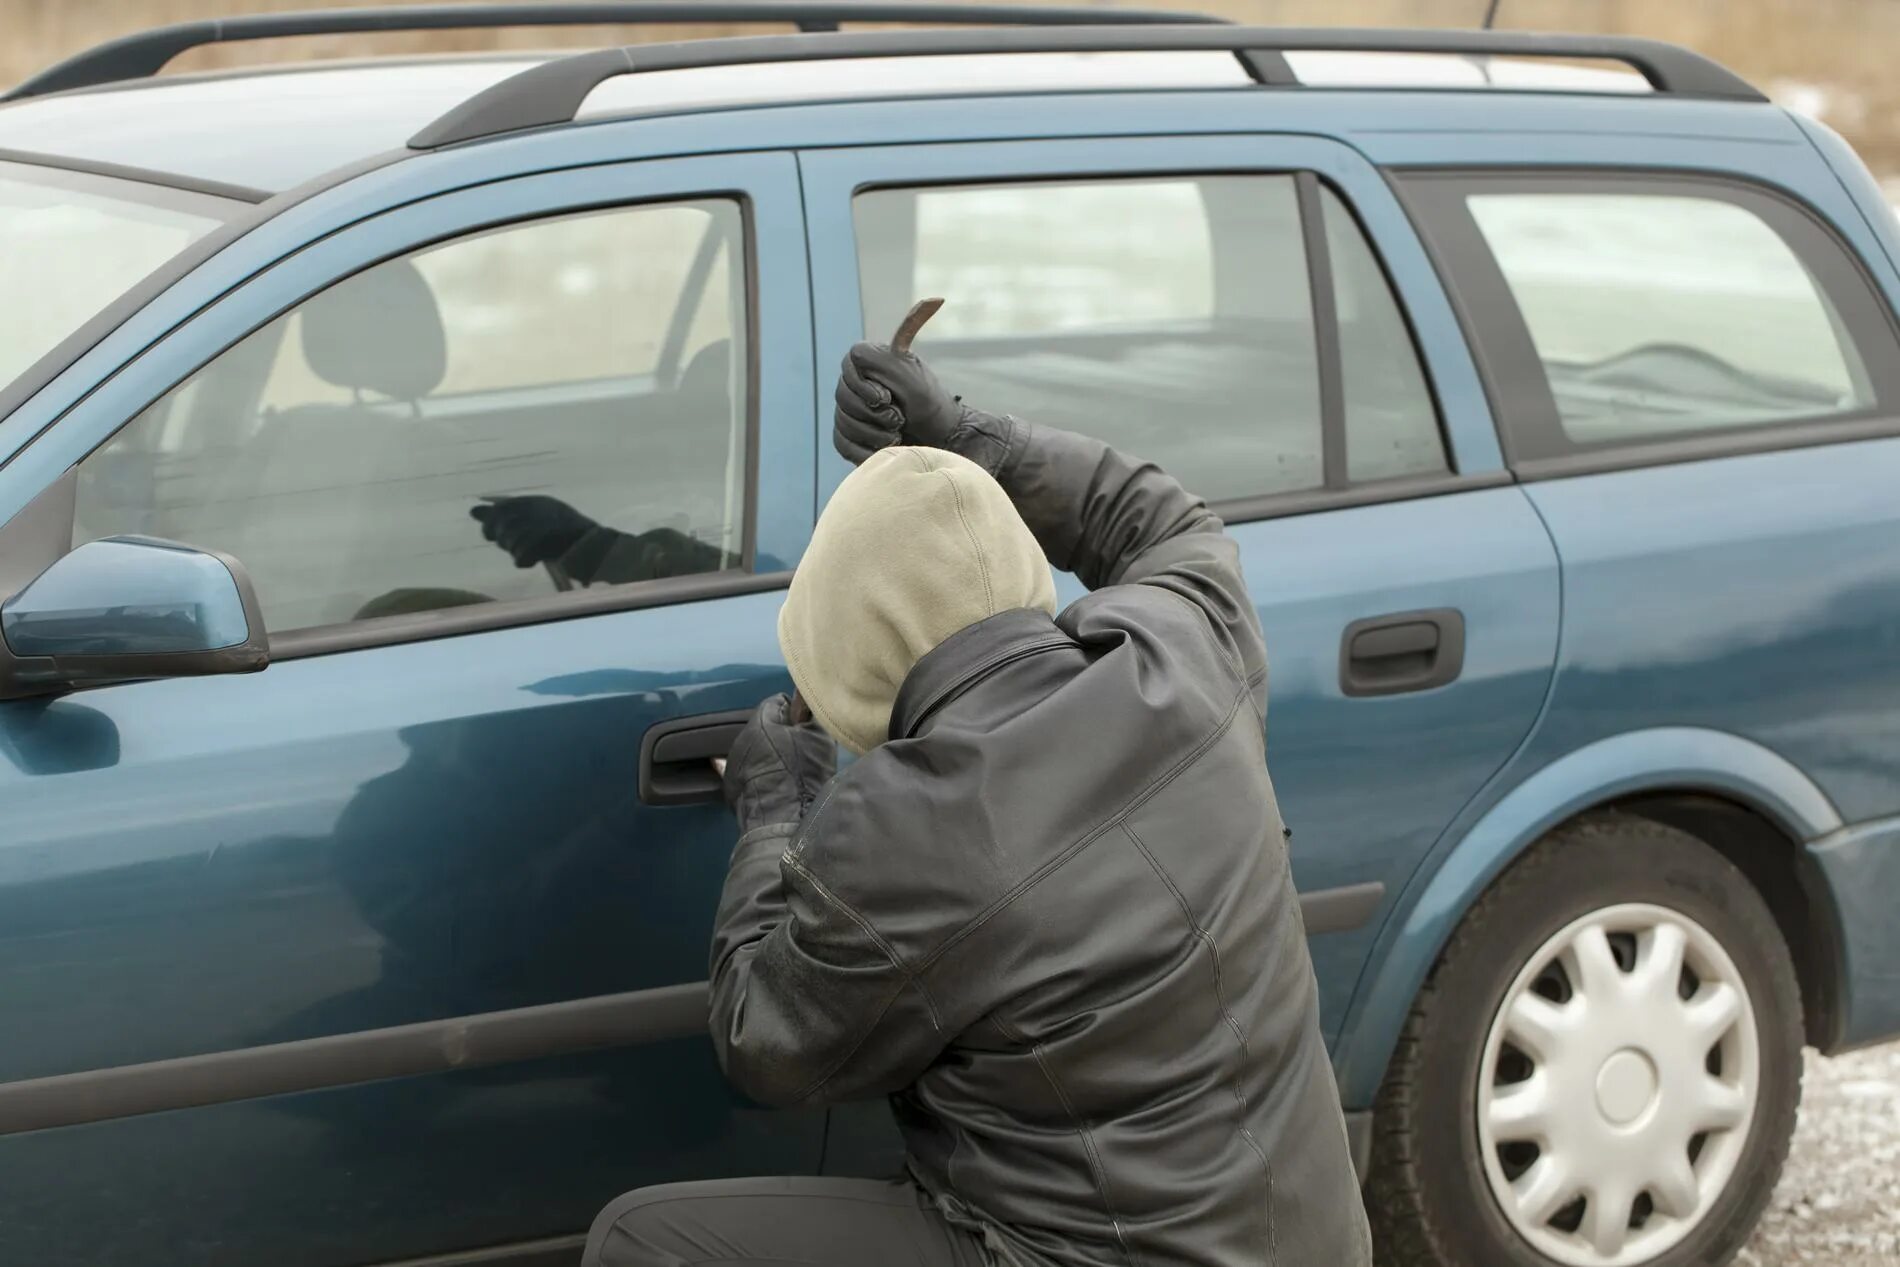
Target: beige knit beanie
915,545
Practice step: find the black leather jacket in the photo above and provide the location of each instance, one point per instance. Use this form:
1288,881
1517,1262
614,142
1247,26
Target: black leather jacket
1052,917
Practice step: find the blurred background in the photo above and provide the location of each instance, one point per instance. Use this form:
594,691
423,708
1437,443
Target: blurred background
1829,58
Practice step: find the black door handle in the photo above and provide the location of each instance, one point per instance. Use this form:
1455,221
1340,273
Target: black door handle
1405,651
676,757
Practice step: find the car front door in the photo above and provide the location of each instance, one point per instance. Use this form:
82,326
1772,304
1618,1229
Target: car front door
410,929
1255,314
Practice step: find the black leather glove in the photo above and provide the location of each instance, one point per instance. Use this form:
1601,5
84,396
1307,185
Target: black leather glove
776,768
532,529
887,398
620,558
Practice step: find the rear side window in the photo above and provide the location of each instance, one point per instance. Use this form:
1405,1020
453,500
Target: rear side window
1657,310
1174,317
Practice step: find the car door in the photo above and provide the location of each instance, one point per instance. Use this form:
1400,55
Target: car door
446,869
1255,314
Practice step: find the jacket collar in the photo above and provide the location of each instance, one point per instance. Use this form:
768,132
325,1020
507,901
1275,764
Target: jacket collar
967,656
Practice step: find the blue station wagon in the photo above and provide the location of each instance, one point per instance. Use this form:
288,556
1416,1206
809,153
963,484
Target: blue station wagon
356,882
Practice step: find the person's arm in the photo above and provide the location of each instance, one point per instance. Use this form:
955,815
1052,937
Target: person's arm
536,529
608,556
1109,518
809,1004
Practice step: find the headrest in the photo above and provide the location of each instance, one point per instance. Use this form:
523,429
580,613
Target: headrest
709,372
378,331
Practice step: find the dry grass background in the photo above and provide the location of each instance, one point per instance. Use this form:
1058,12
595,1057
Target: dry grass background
1833,57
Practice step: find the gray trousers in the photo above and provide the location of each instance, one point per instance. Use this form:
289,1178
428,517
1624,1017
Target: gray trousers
779,1223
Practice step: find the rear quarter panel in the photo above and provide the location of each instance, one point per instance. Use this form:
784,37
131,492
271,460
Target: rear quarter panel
1751,600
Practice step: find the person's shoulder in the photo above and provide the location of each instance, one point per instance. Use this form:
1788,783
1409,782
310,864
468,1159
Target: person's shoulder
892,840
1152,620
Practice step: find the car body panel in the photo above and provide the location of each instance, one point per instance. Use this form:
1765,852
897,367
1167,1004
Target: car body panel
1861,867
1510,816
183,882
350,842
1858,183
387,835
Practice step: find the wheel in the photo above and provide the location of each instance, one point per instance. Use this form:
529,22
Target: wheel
1602,1069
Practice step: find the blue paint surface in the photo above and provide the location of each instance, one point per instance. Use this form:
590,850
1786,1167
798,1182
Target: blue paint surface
403,833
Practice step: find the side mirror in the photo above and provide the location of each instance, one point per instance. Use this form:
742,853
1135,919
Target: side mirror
125,608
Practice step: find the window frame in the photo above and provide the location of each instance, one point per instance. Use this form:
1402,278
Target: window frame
1337,490
576,603
1523,404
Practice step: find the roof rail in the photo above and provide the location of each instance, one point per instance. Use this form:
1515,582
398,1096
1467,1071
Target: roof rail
143,54
553,92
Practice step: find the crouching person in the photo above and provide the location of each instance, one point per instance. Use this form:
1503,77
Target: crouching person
1048,911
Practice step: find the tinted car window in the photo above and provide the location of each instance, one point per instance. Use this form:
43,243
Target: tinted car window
341,451
1391,423
1658,314
1171,316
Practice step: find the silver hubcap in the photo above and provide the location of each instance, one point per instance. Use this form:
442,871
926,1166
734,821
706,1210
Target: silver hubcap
1618,1084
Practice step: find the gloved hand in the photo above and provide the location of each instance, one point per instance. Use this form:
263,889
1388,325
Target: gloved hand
619,558
887,398
532,529
776,768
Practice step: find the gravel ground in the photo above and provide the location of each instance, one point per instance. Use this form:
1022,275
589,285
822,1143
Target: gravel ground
1838,1203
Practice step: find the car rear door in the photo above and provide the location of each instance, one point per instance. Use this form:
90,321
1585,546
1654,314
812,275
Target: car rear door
1255,314
430,869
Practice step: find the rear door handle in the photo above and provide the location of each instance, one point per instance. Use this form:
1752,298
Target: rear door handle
676,757
1403,651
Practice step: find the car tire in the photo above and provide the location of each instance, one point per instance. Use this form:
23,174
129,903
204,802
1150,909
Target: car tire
1466,1115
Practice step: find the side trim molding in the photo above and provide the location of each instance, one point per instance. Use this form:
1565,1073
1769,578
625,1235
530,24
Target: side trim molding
1340,910
631,1019
460,1042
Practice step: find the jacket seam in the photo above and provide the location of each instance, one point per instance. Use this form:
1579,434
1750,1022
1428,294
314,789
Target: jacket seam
1220,1001
1086,1135
909,977
818,1083
1094,834
1234,666
822,1080
782,828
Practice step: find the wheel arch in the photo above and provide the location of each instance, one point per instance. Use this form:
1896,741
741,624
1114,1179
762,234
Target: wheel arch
1743,799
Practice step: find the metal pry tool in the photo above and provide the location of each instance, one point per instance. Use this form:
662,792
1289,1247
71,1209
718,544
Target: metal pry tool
920,312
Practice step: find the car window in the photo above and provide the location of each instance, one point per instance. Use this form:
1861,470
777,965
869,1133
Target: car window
72,242
1171,316
1658,314
1391,421
553,404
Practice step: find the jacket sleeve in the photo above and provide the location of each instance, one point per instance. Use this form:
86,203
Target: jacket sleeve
1114,520
607,556
809,1003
